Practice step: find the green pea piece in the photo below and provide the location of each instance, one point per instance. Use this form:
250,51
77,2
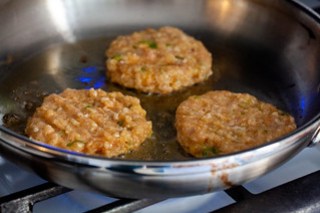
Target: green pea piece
149,43
210,152
117,57
120,123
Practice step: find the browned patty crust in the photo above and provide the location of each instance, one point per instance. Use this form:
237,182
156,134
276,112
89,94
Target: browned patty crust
90,121
221,122
158,61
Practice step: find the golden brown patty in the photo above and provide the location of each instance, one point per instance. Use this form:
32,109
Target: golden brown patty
221,122
158,61
90,121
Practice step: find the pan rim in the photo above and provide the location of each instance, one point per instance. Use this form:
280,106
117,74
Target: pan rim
72,157
34,147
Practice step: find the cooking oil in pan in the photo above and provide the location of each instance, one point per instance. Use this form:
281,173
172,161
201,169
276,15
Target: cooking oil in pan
82,65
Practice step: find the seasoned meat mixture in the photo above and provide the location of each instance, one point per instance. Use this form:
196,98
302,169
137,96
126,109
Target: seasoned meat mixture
221,122
90,121
158,61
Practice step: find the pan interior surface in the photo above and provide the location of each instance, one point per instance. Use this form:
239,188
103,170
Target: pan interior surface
268,50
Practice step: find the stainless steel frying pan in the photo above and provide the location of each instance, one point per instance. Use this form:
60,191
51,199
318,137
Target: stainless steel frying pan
268,48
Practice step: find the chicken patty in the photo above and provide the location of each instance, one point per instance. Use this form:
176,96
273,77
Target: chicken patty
158,61
221,122
90,121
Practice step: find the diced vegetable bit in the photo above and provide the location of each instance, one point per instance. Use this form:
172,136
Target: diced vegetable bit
143,69
62,132
88,106
245,104
117,57
153,45
210,151
121,123
75,142
150,43
179,57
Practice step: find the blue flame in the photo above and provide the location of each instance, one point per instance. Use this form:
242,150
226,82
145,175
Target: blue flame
90,69
100,82
84,79
92,77
302,103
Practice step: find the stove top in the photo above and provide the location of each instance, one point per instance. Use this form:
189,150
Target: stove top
275,192
290,188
